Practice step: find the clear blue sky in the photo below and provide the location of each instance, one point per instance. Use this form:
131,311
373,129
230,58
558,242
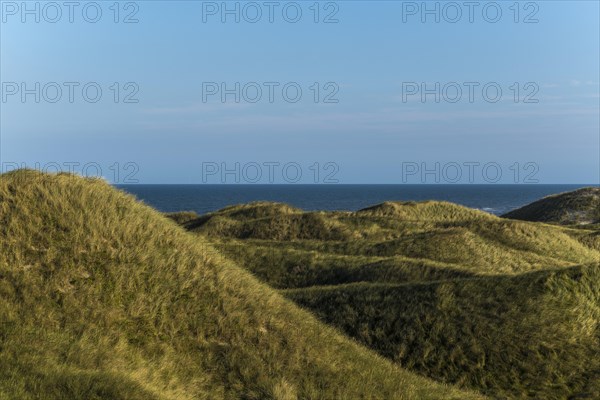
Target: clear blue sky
370,55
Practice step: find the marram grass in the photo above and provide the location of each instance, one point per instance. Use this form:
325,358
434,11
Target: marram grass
505,307
101,297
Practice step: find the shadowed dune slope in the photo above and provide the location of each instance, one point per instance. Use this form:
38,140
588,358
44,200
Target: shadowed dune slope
535,335
577,207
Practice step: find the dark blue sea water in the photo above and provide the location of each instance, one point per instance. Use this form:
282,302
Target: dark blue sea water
496,199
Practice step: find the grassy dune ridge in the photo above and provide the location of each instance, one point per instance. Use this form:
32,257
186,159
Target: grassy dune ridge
101,297
446,233
507,307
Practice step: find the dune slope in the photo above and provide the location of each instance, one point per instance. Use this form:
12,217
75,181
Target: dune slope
509,308
102,297
533,335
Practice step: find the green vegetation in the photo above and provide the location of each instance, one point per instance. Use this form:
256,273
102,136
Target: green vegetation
437,234
508,308
102,297
578,207
534,335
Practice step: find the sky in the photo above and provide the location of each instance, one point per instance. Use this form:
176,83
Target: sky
303,92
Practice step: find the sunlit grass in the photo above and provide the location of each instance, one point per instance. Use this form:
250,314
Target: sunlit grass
102,297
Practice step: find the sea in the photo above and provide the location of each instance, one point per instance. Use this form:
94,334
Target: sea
495,199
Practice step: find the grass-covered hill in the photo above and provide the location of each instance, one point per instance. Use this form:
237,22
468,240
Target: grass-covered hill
578,207
534,335
407,234
508,308
102,297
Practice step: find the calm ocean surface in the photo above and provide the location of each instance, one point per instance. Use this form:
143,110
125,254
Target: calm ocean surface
496,199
